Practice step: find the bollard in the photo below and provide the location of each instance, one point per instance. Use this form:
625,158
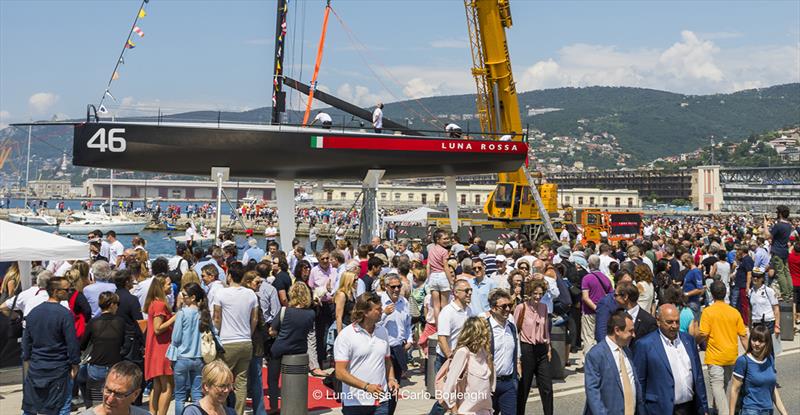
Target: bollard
294,384
430,367
558,338
787,322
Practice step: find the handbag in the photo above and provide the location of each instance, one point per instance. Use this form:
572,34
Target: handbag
208,346
441,377
15,321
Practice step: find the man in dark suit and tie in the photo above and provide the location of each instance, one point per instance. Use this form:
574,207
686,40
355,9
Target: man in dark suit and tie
611,382
625,296
669,368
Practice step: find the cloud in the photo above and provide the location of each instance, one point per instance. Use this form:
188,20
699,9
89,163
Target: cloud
359,95
693,64
41,102
5,117
692,58
449,44
418,88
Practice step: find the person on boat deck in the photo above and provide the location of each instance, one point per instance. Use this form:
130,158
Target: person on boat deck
377,118
453,130
324,119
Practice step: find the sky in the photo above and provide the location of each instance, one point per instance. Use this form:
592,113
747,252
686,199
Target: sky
57,56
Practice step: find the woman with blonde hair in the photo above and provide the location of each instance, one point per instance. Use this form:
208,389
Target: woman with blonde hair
643,278
344,300
11,283
159,336
82,267
470,379
216,384
291,329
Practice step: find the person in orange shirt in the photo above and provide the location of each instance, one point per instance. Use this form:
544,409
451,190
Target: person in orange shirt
720,325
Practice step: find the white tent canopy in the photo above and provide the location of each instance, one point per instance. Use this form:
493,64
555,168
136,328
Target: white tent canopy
418,215
24,244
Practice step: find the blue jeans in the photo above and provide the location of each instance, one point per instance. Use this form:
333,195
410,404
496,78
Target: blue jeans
734,297
382,409
745,411
188,375
504,398
97,372
255,385
65,410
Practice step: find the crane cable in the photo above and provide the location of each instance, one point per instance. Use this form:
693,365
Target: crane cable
354,40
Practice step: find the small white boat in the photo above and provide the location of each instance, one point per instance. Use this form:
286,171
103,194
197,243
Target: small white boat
32,219
121,226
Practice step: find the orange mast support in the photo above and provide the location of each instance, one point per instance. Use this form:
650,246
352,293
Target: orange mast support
318,63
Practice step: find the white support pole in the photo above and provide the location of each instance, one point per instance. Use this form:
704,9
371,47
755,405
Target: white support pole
111,195
219,174
219,207
284,192
452,203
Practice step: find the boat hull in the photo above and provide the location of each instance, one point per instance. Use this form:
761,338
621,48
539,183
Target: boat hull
31,219
285,152
84,227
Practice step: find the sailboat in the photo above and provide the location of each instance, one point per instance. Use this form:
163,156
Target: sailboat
31,217
82,223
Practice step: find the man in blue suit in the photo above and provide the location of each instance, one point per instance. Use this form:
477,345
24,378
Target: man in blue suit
611,382
669,368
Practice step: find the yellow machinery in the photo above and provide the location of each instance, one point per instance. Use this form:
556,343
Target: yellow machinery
514,203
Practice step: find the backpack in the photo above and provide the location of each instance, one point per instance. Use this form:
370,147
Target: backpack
176,274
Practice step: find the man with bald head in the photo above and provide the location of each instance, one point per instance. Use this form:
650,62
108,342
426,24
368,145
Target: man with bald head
669,368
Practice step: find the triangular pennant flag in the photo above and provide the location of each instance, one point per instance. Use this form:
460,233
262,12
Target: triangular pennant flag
142,13
147,1
122,61
115,76
130,45
109,93
102,110
138,31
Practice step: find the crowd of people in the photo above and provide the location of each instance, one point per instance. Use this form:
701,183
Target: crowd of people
197,330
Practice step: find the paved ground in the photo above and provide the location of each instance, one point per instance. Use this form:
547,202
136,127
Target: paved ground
569,397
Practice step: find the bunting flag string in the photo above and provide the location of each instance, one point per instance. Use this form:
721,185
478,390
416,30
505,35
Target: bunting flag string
129,44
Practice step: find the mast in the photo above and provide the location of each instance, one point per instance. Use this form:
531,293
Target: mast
28,167
278,96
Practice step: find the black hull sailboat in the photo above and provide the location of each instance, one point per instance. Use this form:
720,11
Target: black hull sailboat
285,152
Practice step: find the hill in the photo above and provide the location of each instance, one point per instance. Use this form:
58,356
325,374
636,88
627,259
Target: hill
647,124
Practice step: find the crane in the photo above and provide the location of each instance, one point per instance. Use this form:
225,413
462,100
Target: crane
516,201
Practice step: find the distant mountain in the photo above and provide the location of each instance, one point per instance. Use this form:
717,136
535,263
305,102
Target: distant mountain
647,123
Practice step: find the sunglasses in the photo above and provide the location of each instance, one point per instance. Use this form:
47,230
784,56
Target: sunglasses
505,306
478,268
395,287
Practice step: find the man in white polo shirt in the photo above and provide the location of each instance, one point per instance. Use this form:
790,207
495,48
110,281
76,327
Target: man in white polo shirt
451,321
235,317
363,360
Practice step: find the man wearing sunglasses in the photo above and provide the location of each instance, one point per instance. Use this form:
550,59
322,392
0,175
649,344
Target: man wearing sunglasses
481,287
505,353
396,319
